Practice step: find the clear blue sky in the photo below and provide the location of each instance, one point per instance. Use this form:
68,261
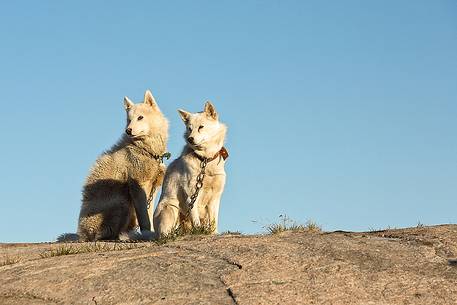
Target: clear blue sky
343,112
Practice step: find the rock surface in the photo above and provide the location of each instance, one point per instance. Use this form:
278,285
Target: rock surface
404,266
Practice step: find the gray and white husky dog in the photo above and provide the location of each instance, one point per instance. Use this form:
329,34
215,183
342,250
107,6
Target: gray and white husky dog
119,191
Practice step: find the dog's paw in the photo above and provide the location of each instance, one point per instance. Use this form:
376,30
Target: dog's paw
146,235
137,235
125,236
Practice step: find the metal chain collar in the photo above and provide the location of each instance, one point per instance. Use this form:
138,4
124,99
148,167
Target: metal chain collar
199,184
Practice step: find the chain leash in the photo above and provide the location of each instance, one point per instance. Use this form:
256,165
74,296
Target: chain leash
159,159
198,185
151,196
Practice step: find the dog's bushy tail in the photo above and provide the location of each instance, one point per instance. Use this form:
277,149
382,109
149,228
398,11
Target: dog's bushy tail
67,237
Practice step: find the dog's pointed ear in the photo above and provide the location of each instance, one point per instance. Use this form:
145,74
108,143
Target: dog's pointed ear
210,110
149,100
127,103
184,115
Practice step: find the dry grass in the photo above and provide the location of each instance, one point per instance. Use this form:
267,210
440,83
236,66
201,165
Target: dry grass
70,249
287,224
10,260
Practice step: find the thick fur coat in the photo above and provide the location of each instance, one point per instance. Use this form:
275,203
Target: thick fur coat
117,189
204,137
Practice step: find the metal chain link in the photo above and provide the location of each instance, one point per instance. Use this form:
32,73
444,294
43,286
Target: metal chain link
151,196
159,159
198,185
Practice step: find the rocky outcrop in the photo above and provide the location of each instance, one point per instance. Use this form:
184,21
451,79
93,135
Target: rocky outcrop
404,266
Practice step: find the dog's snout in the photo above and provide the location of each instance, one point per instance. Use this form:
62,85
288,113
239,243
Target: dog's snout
191,140
128,131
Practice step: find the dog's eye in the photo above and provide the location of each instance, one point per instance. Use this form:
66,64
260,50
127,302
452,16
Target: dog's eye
200,127
140,118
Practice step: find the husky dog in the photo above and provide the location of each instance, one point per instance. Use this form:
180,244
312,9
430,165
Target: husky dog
118,193
194,182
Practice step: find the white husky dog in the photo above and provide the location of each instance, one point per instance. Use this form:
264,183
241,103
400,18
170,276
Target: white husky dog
194,182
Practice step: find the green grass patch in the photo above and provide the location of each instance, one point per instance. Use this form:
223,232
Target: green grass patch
88,248
180,231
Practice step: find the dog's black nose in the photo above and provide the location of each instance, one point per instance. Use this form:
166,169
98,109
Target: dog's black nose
128,131
191,140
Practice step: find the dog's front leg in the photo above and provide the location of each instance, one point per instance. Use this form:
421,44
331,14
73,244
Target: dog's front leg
213,213
139,198
214,202
194,213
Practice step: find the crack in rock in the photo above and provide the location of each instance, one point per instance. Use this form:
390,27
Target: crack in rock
232,295
229,290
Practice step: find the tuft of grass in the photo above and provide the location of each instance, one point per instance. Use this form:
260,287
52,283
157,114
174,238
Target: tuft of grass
10,260
287,224
180,231
87,248
203,229
378,230
228,232
172,236
312,226
59,251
